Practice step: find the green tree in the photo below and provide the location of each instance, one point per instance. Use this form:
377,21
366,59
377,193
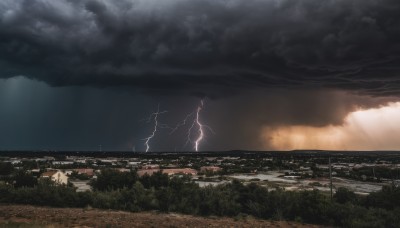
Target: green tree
24,179
343,195
6,168
110,179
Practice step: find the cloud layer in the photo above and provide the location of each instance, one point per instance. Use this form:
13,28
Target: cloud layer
204,46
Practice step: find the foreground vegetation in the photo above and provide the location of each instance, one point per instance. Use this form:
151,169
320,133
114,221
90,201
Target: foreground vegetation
127,191
28,216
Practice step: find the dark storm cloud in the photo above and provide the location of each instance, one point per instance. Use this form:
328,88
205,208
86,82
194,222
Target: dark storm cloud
240,120
204,46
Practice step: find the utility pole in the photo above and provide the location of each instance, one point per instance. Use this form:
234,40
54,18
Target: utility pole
373,171
330,177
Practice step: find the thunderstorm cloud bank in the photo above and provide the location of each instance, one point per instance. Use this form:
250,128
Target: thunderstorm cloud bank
275,64
200,45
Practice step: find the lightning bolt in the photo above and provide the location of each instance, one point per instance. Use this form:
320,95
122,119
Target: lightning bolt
195,124
183,123
200,126
154,116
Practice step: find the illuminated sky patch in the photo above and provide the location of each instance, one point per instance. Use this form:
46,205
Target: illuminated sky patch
371,129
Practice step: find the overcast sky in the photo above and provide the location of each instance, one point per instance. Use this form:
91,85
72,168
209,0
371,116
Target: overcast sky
77,74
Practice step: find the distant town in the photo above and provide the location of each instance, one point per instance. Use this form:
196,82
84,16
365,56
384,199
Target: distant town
360,172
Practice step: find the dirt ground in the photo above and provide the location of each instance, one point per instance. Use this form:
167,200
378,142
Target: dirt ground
31,216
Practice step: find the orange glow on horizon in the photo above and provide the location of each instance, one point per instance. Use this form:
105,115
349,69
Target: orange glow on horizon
371,129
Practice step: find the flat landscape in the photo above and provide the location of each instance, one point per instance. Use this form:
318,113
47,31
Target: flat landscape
31,216
234,189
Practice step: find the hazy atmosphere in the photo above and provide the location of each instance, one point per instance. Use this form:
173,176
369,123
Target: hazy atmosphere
272,75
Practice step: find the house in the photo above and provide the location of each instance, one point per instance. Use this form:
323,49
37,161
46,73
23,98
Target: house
88,172
35,172
62,162
109,161
169,172
186,171
15,161
210,169
142,172
122,170
150,167
134,163
56,176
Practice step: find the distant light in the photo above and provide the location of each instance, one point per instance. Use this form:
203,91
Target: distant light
371,129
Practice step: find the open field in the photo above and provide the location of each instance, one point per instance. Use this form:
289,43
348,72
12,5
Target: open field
30,216
274,178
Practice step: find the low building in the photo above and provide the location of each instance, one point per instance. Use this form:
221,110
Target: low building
62,162
186,171
56,176
81,161
150,167
134,163
15,161
122,170
169,172
142,172
210,169
34,172
88,172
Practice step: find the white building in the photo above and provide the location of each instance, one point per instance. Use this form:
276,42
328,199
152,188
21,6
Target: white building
62,162
56,176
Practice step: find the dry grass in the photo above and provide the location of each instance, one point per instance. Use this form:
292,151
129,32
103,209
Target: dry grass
30,216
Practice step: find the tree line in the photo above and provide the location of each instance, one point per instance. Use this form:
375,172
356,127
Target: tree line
128,191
